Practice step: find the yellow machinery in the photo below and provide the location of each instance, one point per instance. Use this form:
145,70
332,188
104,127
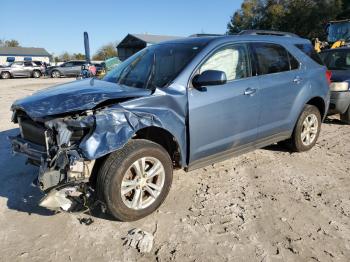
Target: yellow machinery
338,35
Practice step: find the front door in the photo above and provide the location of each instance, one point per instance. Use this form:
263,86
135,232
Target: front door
223,118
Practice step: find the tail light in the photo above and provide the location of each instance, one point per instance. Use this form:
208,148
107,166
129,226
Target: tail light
329,76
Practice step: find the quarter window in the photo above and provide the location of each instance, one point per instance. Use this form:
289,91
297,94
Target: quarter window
270,58
232,60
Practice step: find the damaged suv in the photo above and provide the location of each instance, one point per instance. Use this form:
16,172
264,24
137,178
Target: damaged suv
183,104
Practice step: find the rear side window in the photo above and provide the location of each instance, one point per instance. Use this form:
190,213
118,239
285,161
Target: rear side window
270,58
310,52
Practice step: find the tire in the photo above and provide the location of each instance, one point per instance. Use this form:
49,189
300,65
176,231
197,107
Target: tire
55,74
307,129
5,75
119,168
345,118
36,74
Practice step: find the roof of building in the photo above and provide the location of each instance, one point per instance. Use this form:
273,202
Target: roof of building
146,38
24,51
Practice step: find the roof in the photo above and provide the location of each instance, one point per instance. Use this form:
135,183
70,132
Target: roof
154,39
23,51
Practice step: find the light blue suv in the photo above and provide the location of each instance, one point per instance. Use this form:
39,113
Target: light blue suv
181,104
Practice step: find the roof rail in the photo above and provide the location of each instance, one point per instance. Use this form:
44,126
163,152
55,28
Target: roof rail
203,34
267,32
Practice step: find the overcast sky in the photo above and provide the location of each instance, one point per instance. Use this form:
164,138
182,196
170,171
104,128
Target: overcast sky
58,26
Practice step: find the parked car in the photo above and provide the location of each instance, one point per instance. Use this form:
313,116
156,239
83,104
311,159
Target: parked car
67,69
338,61
21,69
183,104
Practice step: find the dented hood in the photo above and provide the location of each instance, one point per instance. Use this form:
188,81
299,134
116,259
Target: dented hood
75,96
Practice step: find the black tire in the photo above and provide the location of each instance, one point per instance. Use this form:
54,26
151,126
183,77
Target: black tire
114,168
345,118
5,75
297,143
36,74
55,74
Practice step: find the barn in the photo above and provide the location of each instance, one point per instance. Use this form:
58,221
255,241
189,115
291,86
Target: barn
133,43
11,54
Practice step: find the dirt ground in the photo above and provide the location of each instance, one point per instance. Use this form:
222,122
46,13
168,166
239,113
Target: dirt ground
268,205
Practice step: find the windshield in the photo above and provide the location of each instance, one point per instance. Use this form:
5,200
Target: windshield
339,31
155,66
337,60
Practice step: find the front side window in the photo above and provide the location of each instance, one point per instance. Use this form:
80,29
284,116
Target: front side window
154,66
338,60
232,60
270,58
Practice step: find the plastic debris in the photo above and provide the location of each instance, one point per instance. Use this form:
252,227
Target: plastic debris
140,240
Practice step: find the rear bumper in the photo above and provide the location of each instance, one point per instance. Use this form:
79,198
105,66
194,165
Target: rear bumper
339,102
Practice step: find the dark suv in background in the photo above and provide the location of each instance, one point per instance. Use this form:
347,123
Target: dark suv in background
338,61
68,69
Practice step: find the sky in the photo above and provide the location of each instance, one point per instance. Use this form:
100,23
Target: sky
58,26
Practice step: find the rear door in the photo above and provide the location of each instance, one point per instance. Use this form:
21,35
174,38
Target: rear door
280,81
66,68
28,66
223,118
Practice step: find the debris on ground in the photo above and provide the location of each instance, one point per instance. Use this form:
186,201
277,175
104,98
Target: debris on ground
140,240
85,221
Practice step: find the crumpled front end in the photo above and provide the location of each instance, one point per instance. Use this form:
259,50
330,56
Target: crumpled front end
53,145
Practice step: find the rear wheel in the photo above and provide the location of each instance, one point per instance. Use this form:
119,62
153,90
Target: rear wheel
5,75
346,116
36,74
307,129
55,74
134,181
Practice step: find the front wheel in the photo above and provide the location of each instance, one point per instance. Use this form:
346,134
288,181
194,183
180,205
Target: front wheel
307,129
135,180
55,74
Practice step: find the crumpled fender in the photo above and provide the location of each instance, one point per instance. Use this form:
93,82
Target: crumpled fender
116,125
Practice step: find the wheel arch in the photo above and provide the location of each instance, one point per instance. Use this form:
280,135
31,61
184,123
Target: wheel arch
319,103
164,138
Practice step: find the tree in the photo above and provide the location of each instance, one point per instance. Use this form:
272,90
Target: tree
78,56
105,52
9,43
64,57
306,18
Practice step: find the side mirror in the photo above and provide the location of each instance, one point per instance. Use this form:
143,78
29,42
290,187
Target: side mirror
209,78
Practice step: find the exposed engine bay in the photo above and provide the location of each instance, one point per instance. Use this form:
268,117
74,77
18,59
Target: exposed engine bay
53,145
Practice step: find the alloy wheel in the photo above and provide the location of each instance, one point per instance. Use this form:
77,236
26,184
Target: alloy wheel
309,130
142,183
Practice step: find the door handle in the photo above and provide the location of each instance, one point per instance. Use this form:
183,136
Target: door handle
249,91
297,80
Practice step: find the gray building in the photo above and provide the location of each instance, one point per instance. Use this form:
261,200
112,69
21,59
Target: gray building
11,54
133,43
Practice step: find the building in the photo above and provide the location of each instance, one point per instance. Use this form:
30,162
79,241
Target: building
11,54
133,43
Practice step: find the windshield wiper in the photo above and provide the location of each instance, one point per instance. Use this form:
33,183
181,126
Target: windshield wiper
151,75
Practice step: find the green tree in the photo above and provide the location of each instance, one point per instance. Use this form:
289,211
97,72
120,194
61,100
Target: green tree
105,52
78,56
9,43
306,18
64,57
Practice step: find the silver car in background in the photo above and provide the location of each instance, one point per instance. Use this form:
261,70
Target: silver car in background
21,69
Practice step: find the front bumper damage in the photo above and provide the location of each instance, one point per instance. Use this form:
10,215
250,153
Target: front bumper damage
69,146
63,170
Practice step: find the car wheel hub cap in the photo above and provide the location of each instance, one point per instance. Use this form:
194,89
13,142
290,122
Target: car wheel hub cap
309,130
142,183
